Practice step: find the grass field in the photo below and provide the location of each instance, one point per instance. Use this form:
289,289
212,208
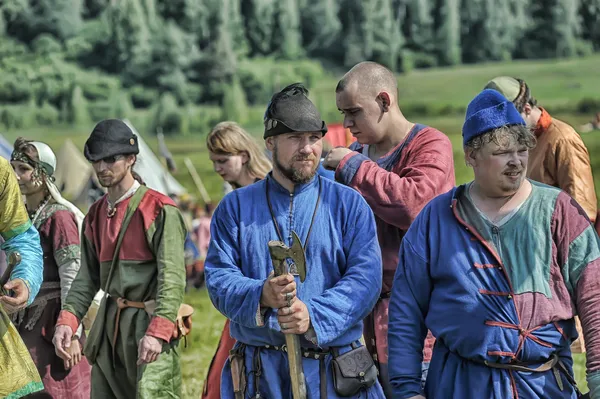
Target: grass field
556,84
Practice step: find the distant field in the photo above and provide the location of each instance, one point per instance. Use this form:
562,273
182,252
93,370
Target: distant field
555,83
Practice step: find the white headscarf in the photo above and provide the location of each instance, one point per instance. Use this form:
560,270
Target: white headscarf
47,159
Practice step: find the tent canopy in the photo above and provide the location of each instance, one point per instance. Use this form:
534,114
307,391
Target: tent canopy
73,172
152,171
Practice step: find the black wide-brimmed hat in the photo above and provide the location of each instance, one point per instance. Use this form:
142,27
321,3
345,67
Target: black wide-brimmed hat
290,110
110,137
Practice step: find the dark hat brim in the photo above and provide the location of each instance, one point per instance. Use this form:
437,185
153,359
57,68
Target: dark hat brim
94,152
282,128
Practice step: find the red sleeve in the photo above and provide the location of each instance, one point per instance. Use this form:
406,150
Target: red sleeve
62,230
425,170
161,328
66,318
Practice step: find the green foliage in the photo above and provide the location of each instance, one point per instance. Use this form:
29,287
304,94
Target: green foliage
125,55
78,113
28,19
200,120
234,104
448,33
260,23
261,77
555,29
321,27
588,106
286,36
47,115
142,97
46,44
590,28
167,115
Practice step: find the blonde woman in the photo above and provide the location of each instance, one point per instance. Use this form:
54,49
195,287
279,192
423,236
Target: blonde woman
239,160
235,155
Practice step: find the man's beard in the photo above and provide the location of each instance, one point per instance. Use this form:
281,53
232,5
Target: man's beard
112,179
296,176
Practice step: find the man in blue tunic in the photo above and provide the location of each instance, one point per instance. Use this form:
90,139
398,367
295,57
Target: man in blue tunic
496,269
343,266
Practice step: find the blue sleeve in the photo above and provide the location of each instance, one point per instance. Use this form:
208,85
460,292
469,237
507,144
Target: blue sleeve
408,307
353,297
31,268
232,293
329,174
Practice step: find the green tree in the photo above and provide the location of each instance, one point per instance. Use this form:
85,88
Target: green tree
28,19
554,30
418,30
448,33
128,50
590,22
234,106
387,37
78,114
259,20
287,39
357,22
321,27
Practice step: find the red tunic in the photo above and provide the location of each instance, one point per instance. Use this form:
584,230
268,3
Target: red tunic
59,237
397,187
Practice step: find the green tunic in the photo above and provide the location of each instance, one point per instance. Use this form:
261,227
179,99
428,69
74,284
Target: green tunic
150,267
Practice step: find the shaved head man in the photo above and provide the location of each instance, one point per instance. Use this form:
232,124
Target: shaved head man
398,167
368,97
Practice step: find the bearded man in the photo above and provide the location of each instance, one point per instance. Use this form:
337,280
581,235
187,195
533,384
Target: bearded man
132,248
342,274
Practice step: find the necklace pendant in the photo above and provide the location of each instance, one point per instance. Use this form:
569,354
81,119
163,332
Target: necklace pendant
111,211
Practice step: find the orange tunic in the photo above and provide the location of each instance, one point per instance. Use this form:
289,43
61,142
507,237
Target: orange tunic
561,159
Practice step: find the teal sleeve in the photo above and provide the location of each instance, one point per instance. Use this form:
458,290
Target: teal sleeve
31,268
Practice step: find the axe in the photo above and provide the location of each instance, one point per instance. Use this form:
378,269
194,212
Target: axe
280,253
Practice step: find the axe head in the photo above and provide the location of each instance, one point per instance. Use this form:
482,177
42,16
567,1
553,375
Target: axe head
280,252
298,256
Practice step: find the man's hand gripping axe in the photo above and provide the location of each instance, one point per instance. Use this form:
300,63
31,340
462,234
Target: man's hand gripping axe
279,255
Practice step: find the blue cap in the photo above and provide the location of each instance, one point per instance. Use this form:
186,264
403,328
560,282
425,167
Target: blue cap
488,111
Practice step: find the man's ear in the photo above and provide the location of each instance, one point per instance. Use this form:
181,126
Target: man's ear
384,101
470,157
270,143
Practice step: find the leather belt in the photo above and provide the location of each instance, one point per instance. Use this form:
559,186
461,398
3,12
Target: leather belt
554,364
123,303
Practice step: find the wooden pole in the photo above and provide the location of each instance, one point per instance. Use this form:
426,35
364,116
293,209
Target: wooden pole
197,180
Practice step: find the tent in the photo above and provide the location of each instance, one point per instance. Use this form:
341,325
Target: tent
152,171
75,176
5,148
